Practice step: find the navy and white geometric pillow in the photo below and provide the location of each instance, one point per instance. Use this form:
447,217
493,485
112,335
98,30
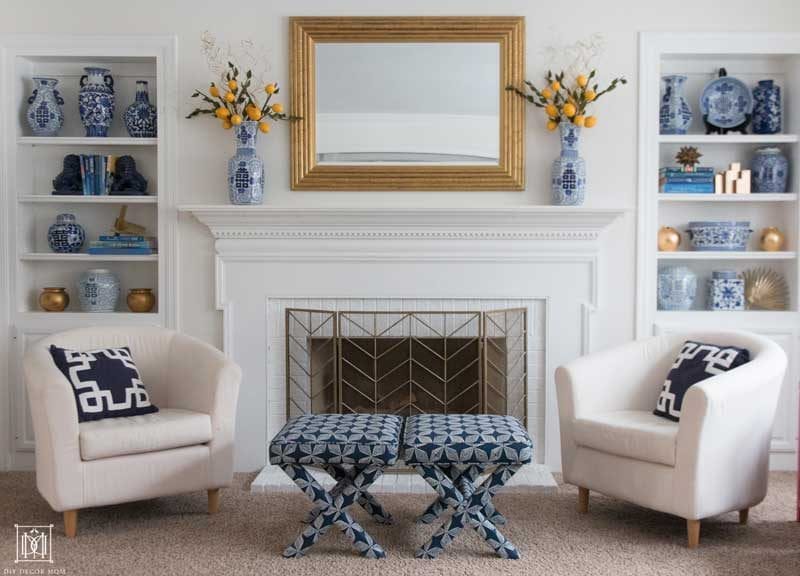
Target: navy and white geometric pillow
695,362
105,382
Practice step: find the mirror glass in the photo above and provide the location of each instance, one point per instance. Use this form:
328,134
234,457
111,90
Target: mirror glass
408,103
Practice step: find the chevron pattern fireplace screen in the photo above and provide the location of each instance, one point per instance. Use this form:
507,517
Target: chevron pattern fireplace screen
406,362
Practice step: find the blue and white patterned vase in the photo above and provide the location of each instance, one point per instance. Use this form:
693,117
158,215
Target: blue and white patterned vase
96,101
677,288
45,115
66,235
569,169
766,108
98,290
726,290
770,170
245,168
674,115
141,116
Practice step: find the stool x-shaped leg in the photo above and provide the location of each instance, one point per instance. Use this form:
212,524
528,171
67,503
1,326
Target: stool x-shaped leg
333,509
469,510
464,477
344,476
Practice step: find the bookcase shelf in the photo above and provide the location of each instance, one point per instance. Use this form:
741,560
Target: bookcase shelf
56,199
84,141
83,257
726,198
719,255
728,138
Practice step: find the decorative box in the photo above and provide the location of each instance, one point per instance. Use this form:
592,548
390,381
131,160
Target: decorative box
719,235
726,290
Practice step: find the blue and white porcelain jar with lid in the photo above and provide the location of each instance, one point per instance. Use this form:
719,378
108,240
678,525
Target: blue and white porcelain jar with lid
66,236
766,107
677,288
770,170
726,290
98,290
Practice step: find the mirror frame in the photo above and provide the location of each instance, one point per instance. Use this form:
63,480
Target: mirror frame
307,174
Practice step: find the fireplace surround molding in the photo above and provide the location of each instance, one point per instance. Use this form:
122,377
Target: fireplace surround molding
265,253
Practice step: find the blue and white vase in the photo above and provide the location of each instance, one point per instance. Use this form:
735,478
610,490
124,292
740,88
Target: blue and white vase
726,290
675,115
45,115
677,288
98,290
766,108
569,169
66,235
96,101
770,171
245,168
141,116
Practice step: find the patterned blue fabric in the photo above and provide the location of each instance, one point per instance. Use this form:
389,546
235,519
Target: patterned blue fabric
466,439
338,439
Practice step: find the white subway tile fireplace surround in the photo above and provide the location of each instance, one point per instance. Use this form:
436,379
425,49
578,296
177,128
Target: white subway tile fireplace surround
268,258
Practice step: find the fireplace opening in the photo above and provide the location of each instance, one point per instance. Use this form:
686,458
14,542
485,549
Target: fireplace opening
406,363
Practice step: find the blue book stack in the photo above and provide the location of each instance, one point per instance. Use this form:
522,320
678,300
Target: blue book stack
97,174
121,244
679,181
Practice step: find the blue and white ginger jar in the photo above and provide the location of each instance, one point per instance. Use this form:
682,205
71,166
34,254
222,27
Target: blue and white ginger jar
245,168
96,101
766,108
726,290
569,169
141,116
66,235
677,288
45,115
98,290
770,171
674,115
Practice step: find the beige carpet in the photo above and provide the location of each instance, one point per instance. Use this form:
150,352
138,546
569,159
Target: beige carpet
174,536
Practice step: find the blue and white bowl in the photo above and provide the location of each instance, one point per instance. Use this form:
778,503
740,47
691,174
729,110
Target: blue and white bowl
727,236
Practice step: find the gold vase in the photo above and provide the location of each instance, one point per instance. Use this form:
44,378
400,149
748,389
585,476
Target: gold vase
141,299
772,239
668,239
54,299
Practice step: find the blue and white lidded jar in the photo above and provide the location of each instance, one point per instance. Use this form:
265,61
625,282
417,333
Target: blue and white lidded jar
766,108
245,168
66,236
45,115
98,290
770,170
677,288
674,114
726,290
96,100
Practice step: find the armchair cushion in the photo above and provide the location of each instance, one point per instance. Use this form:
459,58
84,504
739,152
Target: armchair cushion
163,430
635,434
695,362
105,382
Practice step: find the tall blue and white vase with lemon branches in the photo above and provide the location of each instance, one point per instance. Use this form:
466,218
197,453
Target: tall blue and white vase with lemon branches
565,105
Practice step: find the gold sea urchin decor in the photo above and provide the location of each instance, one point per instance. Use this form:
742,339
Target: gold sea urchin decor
765,289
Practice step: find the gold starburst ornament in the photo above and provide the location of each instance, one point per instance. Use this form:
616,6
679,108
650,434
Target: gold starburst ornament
765,289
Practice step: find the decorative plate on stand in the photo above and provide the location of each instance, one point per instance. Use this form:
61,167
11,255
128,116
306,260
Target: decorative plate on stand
726,103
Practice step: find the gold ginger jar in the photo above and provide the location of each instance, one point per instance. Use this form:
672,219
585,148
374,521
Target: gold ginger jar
668,239
772,239
141,299
54,299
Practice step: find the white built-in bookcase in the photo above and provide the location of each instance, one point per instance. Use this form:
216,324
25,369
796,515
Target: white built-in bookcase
28,208
749,57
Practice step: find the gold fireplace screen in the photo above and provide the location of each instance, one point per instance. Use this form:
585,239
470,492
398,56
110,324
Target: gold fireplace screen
406,362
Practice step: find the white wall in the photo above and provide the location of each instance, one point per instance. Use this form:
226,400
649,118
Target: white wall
609,149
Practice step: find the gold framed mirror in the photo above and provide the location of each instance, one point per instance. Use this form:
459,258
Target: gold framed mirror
407,103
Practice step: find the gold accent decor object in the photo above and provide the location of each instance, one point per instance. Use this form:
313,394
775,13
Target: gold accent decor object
307,33
141,299
122,226
668,239
54,299
765,289
772,239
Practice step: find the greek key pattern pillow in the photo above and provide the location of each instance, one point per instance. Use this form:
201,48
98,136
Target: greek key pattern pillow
695,362
105,382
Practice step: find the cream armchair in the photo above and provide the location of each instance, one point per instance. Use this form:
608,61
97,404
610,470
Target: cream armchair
714,461
186,446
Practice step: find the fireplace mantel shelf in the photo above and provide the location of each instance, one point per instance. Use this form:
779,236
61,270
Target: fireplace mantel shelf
507,222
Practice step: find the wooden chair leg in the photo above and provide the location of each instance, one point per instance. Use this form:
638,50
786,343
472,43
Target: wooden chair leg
743,514
70,523
693,529
583,500
213,501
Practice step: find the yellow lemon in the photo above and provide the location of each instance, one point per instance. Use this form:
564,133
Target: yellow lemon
590,121
232,84
579,120
254,113
222,112
271,88
551,110
229,97
582,80
277,108
569,109
552,125
556,85
264,127
236,119
214,91
226,124
589,95
547,93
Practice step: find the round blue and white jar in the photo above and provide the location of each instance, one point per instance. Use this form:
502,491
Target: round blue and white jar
96,101
726,290
770,171
141,116
766,108
568,183
674,114
677,288
98,290
45,115
66,236
245,168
